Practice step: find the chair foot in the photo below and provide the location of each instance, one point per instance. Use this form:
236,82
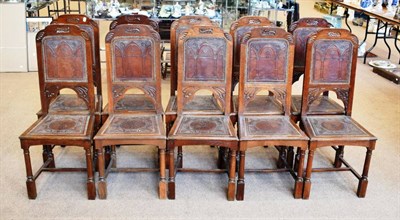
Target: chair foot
102,189
31,187
307,189
162,189
91,189
362,187
240,191
298,188
171,190
231,191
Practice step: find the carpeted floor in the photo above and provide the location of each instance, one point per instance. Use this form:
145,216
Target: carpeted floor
202,196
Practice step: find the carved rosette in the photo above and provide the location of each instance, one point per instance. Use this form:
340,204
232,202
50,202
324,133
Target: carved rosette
51,91
188,93
118,91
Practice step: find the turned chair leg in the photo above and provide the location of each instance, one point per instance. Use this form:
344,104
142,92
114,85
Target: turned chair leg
171,181
91,188
180,157
240,181
30,181
102,185
296,159
290,157
222,157
162,186
307,178
232,176
363,182
299,184
282,156
339,154
48,154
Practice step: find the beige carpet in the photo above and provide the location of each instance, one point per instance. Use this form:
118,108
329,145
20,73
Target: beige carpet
202,196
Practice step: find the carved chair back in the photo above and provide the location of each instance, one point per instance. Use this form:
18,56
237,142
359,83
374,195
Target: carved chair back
302,30
330,66
267,53
92,28
238,30
182,24
64,54
133,62
204,62
134,19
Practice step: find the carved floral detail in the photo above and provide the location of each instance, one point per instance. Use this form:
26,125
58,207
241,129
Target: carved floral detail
220,94
51,91
118,90
40,35
254,21
109,36
280,95
249,94
151,91
334,34
206,31
343,94
82,92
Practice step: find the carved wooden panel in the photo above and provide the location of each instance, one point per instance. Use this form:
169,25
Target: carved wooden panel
332,61
204,59
192,125
133,60
62,125
334,126
301,36
269,125
64,59
267,61
131,102
125,124
68,102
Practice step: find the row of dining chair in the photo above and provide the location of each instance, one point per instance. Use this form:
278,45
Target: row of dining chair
202,59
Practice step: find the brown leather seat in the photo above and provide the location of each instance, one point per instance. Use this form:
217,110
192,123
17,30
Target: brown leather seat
132,53
330,66
61,48
268,55
204,63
